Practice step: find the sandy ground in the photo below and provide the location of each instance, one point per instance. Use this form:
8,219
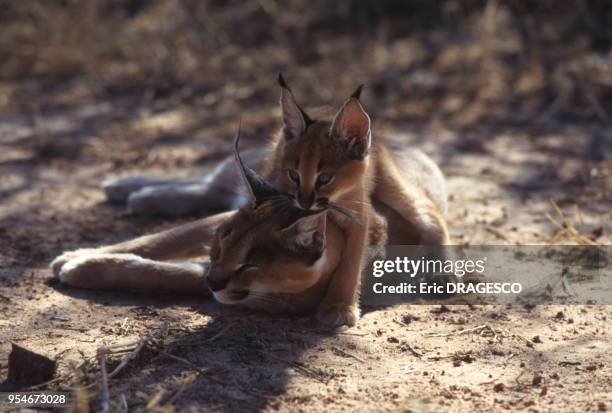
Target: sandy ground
409,358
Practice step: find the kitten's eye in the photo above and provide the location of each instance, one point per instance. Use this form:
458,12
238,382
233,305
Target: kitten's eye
294,176
324,179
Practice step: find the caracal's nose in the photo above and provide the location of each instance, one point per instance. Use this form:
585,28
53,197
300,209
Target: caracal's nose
215,279
306,200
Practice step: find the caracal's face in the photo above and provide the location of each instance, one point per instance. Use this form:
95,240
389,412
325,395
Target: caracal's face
316,170
323,160
267,249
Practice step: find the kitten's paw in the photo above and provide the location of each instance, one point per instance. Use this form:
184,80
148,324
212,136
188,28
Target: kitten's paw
57,264
337,315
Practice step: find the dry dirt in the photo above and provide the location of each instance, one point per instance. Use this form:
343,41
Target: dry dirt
405,358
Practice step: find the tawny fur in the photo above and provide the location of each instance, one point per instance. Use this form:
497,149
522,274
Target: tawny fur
404,185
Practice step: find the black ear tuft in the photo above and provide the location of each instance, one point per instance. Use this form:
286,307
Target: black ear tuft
258,187
357,93
295,119
281,81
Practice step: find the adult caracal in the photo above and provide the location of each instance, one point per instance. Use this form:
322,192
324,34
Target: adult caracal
323,161
271,254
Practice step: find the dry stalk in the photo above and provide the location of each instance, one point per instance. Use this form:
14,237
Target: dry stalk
566,228
104,380
484,330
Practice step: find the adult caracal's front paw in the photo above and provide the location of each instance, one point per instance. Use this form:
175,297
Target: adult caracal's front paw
57,264
336,315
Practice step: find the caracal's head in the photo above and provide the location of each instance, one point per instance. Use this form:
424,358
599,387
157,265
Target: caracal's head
322,159
269,246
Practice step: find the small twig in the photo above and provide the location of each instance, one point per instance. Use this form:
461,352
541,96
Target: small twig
220,333
104,381
154,401
186,382
347,354
479,328
127,359
137,350
124,403
203,372
139,346
565,228
496,232
413,351
516,379
198,341
303,369
569,363
188,363
483,330
61,353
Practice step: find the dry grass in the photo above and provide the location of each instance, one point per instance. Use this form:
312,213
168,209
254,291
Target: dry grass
566,229
185,49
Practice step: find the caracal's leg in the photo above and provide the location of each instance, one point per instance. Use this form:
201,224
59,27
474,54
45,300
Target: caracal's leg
185,241
129,272
118,190
412,196
221,190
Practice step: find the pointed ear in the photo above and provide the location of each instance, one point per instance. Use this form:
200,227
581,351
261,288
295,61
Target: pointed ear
308,232
259,189
295,120
351,128
357,93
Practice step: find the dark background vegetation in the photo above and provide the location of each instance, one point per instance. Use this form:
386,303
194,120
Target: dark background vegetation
461,61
